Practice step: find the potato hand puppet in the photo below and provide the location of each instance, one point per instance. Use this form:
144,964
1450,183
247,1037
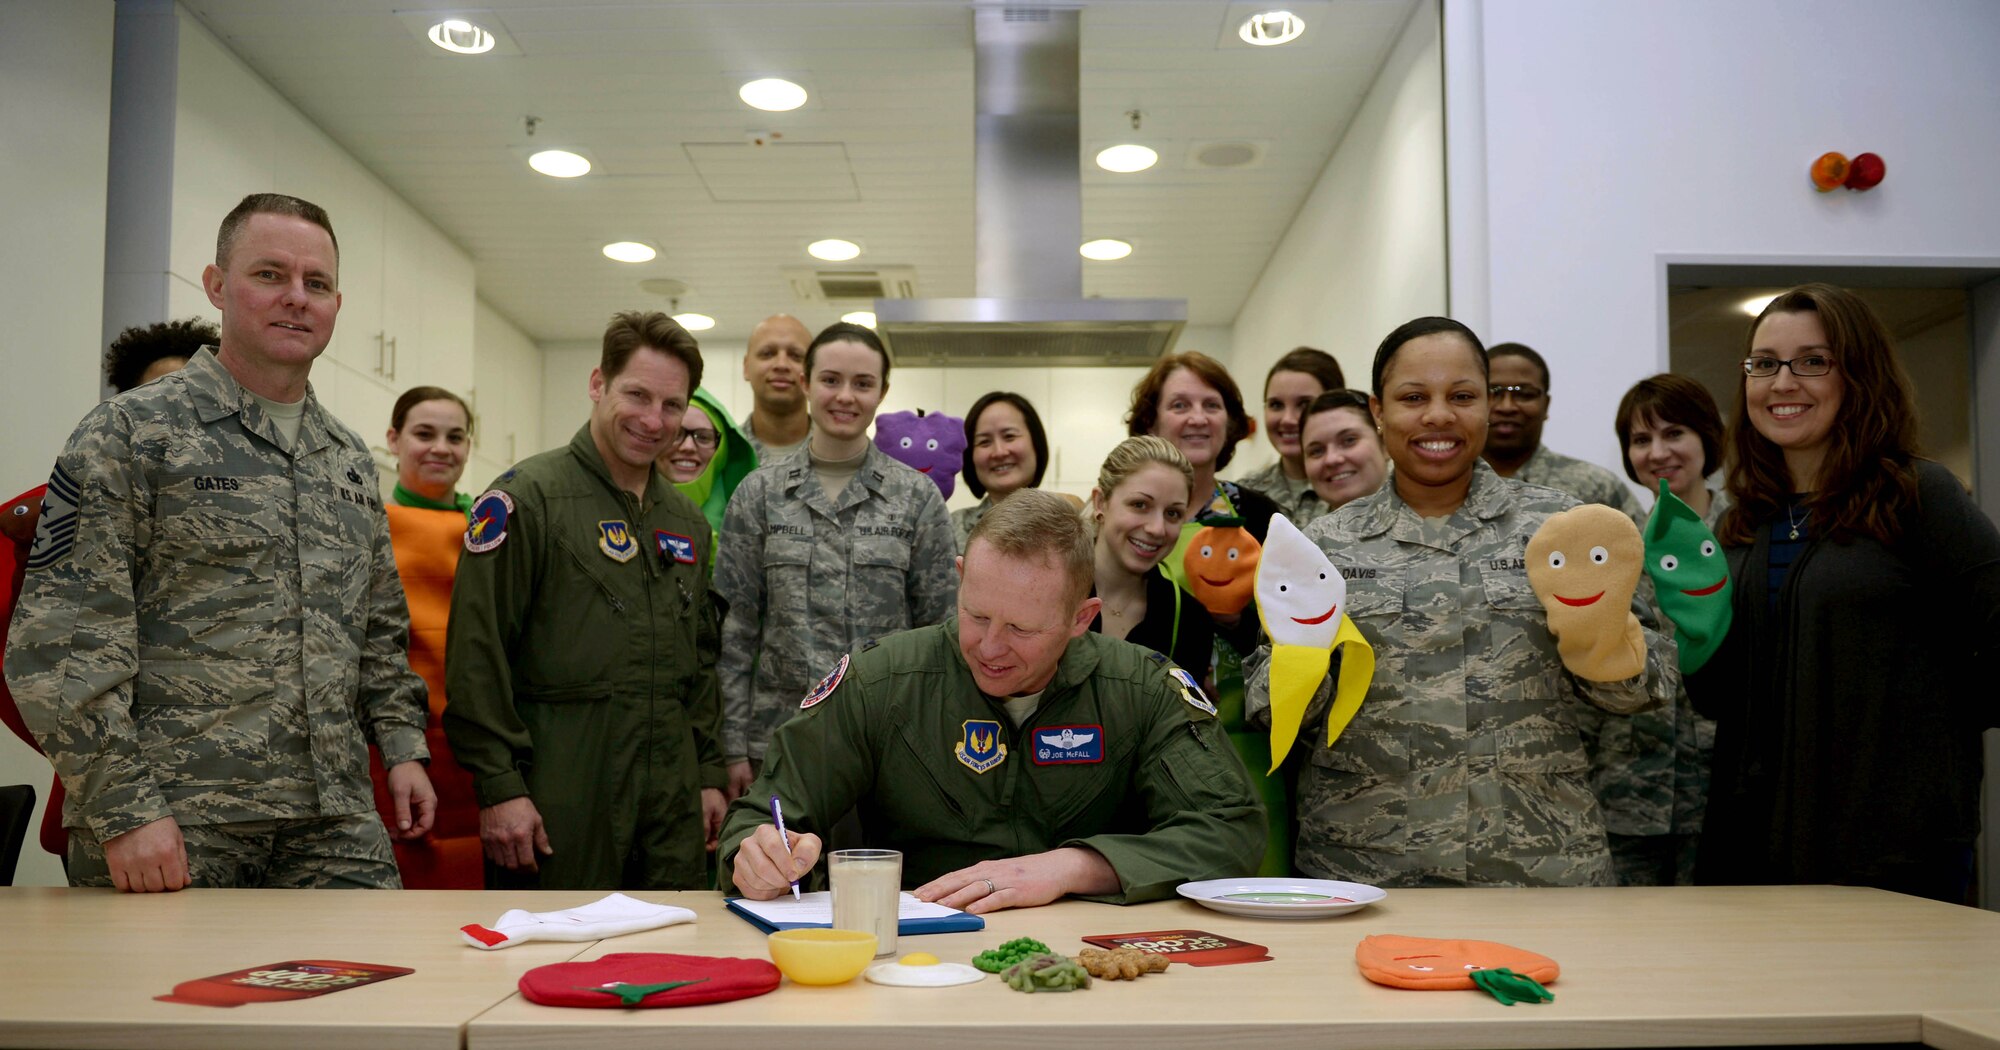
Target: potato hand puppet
1221,565
1690,578
1303,601
930,443
1584,566
1509,974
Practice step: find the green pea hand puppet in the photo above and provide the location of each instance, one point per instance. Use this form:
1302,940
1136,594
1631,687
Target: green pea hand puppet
1584,566
1303,600
1690,578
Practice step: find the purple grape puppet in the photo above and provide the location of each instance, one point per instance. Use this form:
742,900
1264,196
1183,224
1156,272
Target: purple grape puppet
931,443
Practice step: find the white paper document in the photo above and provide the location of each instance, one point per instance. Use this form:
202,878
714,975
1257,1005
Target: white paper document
818,908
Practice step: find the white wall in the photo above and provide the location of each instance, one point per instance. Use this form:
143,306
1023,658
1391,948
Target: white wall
55,75
1616,133
1367,249
1083,409
506,394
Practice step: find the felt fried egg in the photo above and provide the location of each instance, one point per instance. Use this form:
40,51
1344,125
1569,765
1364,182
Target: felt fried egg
922,970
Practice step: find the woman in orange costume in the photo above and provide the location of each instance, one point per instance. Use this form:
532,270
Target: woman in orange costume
430,431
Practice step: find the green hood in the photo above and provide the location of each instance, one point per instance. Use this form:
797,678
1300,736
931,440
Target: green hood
734,460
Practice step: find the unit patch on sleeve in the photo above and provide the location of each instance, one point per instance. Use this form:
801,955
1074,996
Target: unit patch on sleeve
1191,691
1068,745
825,686
979,748
674,546
488,526
614,538
55,533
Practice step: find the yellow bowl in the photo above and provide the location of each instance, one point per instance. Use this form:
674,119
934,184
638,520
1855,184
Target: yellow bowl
822,956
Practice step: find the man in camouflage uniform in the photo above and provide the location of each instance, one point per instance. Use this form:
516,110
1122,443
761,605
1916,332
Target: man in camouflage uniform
212,629
1520,392
581,657
1012,754
1462,766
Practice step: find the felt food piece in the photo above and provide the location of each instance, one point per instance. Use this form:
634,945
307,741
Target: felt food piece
931,443
1221,566
1690,578
1829,171
1302,599
1507,973
1584,566
613,915
928,972
1046,973
995,960
1120,964
649,980
1865,172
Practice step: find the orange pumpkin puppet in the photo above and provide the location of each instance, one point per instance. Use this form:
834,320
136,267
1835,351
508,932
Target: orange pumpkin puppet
1221,566
1507,973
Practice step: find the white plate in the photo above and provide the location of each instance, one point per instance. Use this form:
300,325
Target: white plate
1281,898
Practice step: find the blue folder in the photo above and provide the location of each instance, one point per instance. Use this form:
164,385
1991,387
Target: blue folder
959,923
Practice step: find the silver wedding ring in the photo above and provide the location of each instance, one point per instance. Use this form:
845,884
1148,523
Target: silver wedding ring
989,885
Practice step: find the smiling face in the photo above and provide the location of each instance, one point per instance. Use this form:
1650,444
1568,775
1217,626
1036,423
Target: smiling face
775,363
1140,520
1585,558
1285,399
431,448
846,388
1003,455
1221,565
1794,413
1661,450
1343,455
1690,580
1515,429
687,457
1300,595
932,444
1192,417
636,413
1015,618
278,294
1433,411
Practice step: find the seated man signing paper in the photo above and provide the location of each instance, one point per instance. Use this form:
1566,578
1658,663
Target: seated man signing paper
1011,755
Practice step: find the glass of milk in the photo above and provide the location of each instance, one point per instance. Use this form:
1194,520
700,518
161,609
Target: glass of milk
867,891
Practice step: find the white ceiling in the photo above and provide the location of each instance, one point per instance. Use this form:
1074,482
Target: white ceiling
644,88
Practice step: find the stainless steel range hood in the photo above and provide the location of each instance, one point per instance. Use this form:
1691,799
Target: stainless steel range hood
1028,200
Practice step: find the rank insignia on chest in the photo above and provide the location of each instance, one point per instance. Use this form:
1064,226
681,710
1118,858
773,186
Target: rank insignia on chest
1068,745
488,525
674,546
1191,691
825,686
981,749
614,538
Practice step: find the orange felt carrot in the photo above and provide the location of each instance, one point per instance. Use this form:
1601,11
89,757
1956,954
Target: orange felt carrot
1508,973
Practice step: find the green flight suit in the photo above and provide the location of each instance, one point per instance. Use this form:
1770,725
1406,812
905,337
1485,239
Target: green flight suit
1155,788
580,662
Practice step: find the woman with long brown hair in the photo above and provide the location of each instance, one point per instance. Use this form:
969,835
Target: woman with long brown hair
1867,585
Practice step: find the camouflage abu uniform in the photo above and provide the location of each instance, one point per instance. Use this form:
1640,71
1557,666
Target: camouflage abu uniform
1587,482
810,578
1461,767
212,629
965,519
1301,506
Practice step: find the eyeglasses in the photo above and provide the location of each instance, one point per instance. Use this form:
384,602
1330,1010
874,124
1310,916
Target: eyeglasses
1803,366
701,438
1517,391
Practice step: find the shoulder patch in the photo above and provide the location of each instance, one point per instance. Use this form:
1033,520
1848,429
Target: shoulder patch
1191,691
614,538
55,533
825,686
487,528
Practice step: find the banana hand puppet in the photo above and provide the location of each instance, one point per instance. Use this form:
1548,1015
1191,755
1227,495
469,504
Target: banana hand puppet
1584,566
1690,578
1303,600
1221,565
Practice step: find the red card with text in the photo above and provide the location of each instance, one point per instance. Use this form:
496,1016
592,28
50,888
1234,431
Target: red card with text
1193,947
281,982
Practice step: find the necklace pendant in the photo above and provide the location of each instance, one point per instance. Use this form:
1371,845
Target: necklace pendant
1795,534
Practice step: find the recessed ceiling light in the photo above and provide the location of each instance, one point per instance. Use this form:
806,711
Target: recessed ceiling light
695,322
864,318
461,37
1105,250
1126,158
629,251
772,94
1271,28
1755,304
559,163
833,249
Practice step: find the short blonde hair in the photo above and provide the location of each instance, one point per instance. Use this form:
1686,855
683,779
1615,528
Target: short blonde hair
1031,524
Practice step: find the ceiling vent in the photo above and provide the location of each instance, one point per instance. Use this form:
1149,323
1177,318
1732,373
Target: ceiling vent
849,283
1230,154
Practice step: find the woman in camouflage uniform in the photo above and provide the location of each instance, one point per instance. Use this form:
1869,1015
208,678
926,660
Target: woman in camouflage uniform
1462,766
1289,390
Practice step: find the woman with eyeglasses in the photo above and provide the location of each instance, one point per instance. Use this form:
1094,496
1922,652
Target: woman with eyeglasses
1850,692
1462,766
710,458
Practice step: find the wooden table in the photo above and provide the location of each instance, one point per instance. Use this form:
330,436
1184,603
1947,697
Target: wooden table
1708,966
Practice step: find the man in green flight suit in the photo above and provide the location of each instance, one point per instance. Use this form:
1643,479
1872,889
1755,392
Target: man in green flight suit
1011,754
580,660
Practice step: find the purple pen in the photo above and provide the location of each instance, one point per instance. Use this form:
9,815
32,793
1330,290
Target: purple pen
778,818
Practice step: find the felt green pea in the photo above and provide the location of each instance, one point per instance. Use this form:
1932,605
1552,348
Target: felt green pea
1690,578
